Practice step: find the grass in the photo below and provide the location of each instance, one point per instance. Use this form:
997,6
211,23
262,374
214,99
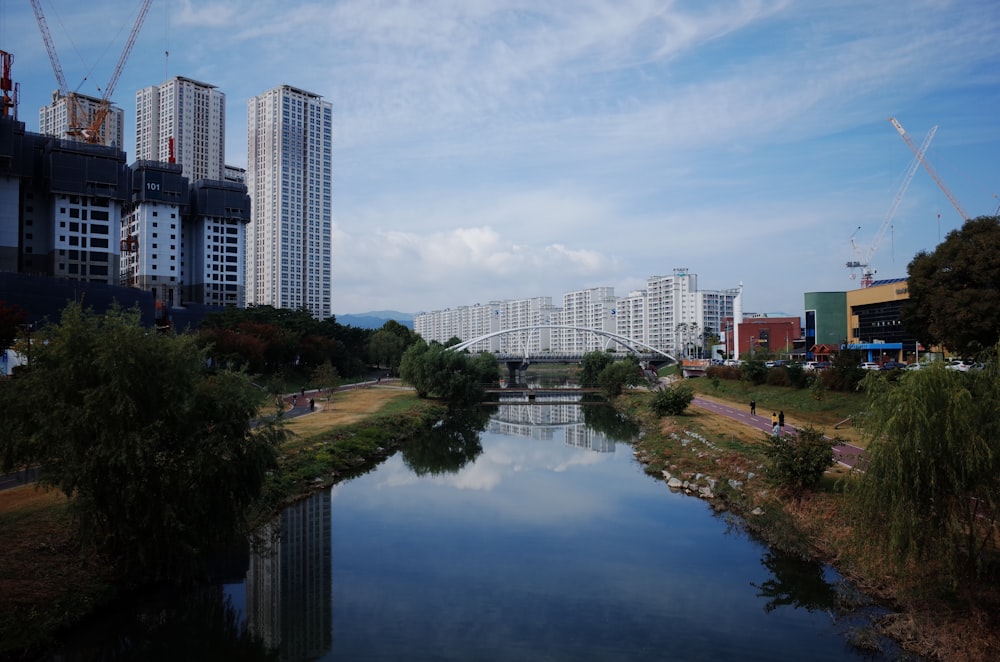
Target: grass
45,581
801,407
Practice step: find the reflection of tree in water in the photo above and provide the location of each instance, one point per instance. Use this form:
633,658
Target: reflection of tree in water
797,582
613,424
200,625
449,446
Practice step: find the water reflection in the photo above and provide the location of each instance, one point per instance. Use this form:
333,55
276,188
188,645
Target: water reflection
533,534
289,580
594,428
447,447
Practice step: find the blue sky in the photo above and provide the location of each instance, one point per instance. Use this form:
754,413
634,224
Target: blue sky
506,149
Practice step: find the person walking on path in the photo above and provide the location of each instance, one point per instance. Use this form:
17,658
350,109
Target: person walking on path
774,423
781,421
753,407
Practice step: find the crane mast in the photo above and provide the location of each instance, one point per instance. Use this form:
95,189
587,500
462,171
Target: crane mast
93,132
73,111
864,263
930,169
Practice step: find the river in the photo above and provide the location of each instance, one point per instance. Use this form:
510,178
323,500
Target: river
539,538
522,532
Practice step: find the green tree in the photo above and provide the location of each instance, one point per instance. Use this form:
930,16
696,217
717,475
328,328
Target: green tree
798,461
158,457
753,370
930,489
953,290
672,400
617,376
592,365
325,377
386,349
435,371
413,368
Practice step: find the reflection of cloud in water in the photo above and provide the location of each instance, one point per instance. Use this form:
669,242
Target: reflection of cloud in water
527,470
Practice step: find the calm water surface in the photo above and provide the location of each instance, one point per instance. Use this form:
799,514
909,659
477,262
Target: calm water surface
537,539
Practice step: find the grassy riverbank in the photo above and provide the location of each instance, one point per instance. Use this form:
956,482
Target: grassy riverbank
47,585
927,619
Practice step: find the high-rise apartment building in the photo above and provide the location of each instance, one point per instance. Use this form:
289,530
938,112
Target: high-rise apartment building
289,178
182,121
70,117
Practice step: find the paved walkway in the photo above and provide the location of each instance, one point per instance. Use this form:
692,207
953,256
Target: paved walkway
845,454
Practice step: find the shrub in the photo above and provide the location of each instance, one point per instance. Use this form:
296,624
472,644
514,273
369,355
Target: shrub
672,400
778,377
798,462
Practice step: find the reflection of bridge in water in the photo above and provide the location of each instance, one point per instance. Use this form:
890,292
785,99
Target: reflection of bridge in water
618,346
543,422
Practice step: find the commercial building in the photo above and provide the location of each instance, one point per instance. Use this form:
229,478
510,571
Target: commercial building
874,325
289,178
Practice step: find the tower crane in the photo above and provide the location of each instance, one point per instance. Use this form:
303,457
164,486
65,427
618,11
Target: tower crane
92,131
864,261
73,111
930,169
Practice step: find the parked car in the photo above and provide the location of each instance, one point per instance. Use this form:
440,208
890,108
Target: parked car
962,365
821,365
870,365
892,365
916,366
809,365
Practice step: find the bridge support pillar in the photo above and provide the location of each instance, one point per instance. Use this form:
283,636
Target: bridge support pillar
515,372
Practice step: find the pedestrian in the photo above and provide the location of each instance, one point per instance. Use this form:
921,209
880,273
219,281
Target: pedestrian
295,400
775,431
781,421
312,404
774,419
753,407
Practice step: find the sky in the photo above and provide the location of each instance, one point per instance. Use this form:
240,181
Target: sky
504,149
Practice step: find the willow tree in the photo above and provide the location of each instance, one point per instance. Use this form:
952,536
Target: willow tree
159,457
930,486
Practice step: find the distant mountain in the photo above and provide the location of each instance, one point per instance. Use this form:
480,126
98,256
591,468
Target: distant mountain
375,319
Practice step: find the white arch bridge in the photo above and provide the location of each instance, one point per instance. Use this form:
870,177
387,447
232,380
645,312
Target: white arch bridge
649,357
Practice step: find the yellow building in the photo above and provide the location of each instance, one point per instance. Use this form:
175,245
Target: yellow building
874,325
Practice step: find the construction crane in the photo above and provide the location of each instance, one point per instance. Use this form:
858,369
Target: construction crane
930,169
90,132
73,110
864,261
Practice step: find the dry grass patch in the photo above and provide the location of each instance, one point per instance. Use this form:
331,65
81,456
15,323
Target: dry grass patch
44,578
345,408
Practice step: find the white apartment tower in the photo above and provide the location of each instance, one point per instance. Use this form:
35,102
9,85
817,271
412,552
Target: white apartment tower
289,179
593,308
69,117
182,121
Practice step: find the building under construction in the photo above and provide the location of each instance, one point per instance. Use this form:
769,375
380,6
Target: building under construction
62,207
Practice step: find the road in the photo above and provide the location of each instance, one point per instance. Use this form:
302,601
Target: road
845,454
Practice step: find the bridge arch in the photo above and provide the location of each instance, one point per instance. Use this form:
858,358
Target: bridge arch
634,346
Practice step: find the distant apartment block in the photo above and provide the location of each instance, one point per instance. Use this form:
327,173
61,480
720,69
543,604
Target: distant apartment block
671,315
70,118
289,178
